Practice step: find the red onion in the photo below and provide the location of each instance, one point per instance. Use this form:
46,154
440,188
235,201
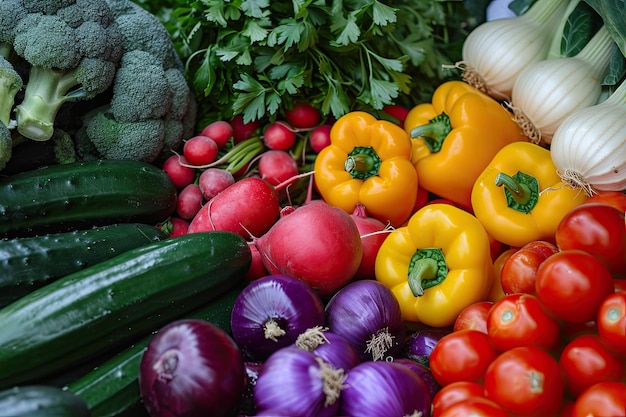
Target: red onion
421,371
384,389
334,349
191,367
367,314
246,403
300,383
421,342
271,312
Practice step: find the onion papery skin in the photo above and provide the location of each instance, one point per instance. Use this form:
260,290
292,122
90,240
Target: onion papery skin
337,351
421,371
208,378
291,379
384,389
289,301
363,309
591,144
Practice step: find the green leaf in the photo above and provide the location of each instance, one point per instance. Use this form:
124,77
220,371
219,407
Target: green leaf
387,63
255,30
382,93
580,26
383,14
350,33
614,16
254,8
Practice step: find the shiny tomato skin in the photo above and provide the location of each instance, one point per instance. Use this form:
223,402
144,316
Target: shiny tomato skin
521,320
497,291
474,407
616,199
601,399
453,393
526,381
461,356
586,361
520,269
474,316
611,322
572,284
598,229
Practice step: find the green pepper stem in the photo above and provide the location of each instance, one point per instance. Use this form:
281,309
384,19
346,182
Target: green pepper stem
434,132
362,163
519,191
423,269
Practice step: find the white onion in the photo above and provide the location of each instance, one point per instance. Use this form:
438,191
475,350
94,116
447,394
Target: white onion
589,147
496,51
546,92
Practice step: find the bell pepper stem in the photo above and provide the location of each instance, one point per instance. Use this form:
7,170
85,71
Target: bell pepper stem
521,190
362,162
425,268
434,132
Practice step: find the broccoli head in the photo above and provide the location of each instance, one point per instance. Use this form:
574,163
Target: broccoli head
10,83
73,48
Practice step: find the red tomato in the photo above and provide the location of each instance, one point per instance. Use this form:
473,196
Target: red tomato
521,320
572,284
616,199
453,393
473,316
525,381
520,269
611,322
474,407
598,229
461,356
601,399
497,291
586,361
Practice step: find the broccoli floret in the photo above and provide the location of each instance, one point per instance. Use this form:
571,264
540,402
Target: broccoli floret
6,145
10,84
63,146
73,48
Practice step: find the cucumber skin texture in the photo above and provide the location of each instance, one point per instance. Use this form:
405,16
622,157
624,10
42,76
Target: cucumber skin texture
59,198
31,262
99,308
112,389
41,401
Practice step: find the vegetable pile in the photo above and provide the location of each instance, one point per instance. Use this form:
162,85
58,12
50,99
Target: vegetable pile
312,209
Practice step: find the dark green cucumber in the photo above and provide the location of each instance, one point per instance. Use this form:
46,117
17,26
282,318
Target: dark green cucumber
31,262
101,307
112,389
79,195
41,401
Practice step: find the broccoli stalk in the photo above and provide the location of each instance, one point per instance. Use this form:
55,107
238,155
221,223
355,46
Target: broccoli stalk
10,84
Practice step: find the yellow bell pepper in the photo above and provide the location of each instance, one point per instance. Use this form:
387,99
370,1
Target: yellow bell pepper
454,138
520,197
368,162
436,265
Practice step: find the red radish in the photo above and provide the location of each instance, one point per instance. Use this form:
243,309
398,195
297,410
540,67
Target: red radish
371,239
189,201
303,115
174,226
320,138
249,208
279,136
397,112
257,268
276,166
179,174
241,129
213,181
317,243
220,131
200,150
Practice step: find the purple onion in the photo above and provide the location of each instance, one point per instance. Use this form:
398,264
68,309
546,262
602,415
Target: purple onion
300,383
271,312
368,316
421,371
191,367
384,389
421,343
331,347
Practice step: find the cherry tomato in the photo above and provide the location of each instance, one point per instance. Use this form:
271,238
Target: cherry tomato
612,322
601,399
521,320
586,361
474,316
598,229
497,291
461,356
616,199
572,284
474,407
453,393
520,269
525,381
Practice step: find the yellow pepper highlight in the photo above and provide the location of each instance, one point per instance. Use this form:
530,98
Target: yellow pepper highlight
519,197
436,265
455,137
368,162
